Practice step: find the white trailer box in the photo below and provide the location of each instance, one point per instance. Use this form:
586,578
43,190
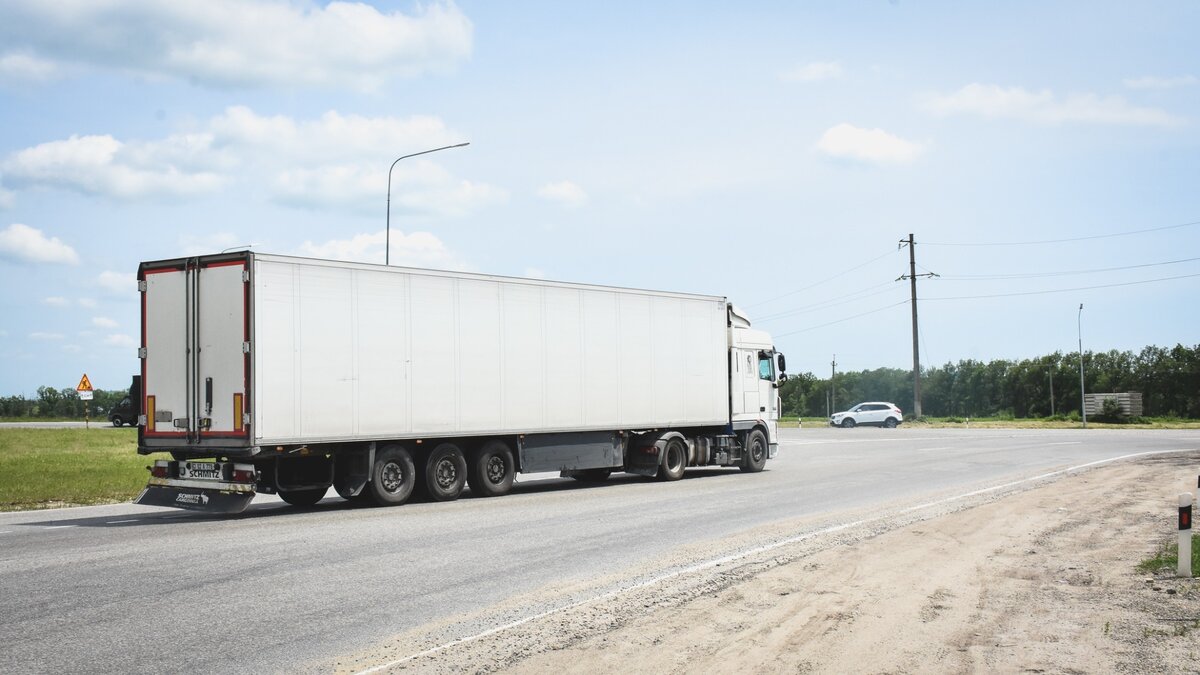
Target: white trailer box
304,351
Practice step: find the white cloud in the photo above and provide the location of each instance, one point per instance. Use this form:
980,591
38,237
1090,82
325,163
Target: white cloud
419,249
18,66
7,198
117,283
334,161
72,349
103,322
46,337
24,243
1045,107
271,42
564,192
877,146
87,302
102,165
1153,82
55,301
120,340
813,72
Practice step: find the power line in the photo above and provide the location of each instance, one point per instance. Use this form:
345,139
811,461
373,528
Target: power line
857,295
1065,290
848,318
823,281
998,277
1062,241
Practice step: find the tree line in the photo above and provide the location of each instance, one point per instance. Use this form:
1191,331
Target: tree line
1167,378
60,403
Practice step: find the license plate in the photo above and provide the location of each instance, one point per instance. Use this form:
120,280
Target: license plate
208,470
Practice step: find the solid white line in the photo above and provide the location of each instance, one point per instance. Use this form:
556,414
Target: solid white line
6,532
114,522
1065,443
57,527
715,562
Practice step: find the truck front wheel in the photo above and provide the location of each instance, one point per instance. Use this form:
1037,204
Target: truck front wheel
755,457
492,470
392,477
445,473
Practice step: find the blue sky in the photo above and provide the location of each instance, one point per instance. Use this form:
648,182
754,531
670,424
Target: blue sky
772,152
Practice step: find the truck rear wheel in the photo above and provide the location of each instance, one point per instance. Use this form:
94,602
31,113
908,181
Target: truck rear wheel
303,497
445,473
492,470
392,477
755,457
674,460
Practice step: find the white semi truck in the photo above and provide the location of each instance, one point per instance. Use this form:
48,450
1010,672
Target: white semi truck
285,375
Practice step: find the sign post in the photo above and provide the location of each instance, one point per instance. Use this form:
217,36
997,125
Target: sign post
85,394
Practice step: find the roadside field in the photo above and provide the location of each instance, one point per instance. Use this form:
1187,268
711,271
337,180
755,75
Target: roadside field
48,468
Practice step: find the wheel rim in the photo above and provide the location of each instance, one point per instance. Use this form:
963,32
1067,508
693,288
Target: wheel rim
756,451
445,473
392,477
496,470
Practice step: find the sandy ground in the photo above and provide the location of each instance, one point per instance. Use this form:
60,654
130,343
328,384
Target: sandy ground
1037,578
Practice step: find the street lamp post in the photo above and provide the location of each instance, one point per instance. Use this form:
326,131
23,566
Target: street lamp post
1082,398
387,253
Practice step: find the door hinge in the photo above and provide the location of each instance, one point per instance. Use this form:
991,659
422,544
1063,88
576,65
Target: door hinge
142,285
246,347
142,420
245,276
246,419
141,352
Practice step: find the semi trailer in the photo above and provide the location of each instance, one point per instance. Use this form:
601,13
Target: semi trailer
287,375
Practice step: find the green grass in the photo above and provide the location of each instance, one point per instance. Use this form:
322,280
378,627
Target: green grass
1166,559
47,468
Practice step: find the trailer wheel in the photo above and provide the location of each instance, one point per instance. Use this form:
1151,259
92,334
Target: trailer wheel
674,460
445,473
756,452
303,497
492,470
392,477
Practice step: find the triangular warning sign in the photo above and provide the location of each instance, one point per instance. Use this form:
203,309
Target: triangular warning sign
84,384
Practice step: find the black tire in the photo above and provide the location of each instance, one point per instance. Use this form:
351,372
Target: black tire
303,497
445,473
674,460
117,421
492,470
392,477
755,457
848,423
890,423
592,475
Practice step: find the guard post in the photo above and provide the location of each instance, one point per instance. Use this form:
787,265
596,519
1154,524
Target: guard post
1185,534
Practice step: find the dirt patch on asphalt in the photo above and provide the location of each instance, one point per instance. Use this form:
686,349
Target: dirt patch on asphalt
1026,579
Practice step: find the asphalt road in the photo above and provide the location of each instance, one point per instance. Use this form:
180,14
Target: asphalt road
127,588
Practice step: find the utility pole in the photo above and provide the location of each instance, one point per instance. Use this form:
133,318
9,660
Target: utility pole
1052,391
912,277
1082,396
832,377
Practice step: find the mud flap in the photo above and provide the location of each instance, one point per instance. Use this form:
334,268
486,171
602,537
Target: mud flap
194,499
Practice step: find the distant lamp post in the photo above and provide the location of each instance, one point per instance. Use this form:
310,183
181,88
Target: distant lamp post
1082,397
388,237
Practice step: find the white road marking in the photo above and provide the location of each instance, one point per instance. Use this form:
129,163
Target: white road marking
114,522
58,527
715,562
1066,443
6,532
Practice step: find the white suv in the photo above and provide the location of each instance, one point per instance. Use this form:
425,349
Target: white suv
873,413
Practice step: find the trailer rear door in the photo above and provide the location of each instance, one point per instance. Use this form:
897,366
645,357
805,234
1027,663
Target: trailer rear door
196,339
